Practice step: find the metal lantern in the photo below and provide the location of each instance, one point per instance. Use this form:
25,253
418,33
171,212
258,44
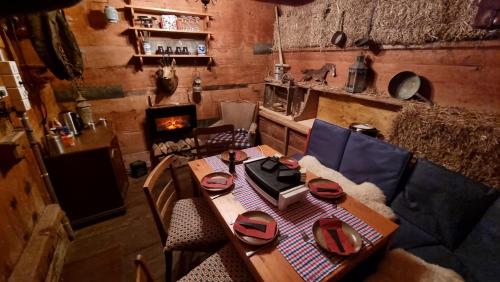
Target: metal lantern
358,76
84,109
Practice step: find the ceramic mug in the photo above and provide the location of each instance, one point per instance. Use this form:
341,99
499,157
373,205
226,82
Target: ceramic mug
147,48
202,49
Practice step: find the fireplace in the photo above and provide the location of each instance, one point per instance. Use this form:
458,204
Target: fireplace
170,123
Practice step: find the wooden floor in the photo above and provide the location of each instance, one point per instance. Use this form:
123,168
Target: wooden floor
106,251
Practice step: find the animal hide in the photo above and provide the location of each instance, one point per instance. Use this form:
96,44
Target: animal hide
399,265
367,193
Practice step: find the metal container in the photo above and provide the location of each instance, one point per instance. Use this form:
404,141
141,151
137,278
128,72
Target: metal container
54,144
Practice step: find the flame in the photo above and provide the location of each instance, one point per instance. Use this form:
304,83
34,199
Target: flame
172,123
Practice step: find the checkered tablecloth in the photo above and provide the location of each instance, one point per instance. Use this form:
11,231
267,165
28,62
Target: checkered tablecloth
305,257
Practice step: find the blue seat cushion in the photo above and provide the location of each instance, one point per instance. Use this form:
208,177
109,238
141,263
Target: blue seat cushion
440,255
327,142
445,204
409,236
367,159
480,251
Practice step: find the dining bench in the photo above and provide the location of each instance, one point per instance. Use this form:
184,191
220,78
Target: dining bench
445,218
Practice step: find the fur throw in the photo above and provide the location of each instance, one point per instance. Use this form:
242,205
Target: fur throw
399,265
367,193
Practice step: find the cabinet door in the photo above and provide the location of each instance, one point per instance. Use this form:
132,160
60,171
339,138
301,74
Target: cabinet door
272,134
85,185
296,142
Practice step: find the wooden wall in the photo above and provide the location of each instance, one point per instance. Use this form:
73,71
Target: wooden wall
22,193
108,50
460,74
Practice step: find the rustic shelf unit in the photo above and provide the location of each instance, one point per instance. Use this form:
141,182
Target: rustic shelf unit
139,56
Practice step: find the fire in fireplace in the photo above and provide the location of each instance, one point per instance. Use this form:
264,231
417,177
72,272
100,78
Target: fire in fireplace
170,123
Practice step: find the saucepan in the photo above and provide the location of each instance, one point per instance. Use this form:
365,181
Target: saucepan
339,37
405,85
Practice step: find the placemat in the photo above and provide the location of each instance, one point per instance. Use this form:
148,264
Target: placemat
311,263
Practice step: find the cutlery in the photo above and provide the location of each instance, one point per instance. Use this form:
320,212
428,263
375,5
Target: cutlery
260,227
335,236
219,195
306,239
275,243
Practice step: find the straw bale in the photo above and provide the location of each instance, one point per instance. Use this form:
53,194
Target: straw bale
460,140
406,22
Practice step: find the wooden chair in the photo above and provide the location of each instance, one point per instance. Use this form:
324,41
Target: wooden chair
142,273
213,146
183,225
224,265
243,115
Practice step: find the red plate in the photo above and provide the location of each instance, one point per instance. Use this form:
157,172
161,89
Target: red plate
317,184
217,181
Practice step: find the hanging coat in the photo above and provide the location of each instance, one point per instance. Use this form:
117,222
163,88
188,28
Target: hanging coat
18,7
55,44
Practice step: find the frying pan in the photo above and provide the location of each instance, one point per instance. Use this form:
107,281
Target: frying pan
339,38
405,85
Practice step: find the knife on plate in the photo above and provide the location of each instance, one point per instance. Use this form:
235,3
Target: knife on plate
335,236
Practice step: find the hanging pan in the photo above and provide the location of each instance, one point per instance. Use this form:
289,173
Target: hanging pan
405,85
339,38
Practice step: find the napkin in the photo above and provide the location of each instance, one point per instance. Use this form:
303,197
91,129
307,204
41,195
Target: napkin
254,232
335,238
217,182
326,188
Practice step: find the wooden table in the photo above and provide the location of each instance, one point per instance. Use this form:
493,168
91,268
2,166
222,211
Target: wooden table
270,264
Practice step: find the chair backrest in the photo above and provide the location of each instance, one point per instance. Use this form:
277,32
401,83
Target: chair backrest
161,193
216,140
142,273
326,142
241,114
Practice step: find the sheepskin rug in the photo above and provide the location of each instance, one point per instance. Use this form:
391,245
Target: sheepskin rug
367,193
399,265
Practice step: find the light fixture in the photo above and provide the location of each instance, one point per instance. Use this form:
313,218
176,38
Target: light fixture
111,14
358,76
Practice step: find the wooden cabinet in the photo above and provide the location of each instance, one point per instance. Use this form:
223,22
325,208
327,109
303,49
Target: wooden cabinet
281,133
89,179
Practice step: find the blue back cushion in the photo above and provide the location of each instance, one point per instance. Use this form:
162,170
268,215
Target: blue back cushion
327,142
480,251
445,204
367,159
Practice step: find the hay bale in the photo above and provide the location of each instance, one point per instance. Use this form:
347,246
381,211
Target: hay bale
460,140
407,22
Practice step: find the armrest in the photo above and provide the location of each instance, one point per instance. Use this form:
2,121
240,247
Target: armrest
253,128
217,123
252,133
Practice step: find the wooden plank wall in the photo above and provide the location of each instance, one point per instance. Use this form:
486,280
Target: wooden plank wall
462,74
107,52
22,194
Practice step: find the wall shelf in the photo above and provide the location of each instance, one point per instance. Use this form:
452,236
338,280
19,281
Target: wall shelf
386,102
139,55
172,32
160,11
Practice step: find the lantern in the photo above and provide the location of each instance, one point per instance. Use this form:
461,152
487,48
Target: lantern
358,75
